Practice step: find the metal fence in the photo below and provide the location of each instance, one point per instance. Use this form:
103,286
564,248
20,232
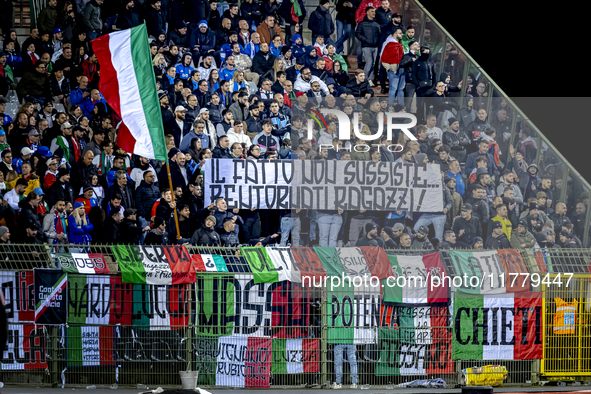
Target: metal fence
238,333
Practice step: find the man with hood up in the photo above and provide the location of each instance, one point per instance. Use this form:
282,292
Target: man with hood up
184,70
423,77
130,17
155,18
311,56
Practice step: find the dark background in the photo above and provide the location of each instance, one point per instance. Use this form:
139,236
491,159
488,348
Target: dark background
531,51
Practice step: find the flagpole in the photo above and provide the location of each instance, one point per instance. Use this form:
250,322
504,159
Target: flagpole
176,219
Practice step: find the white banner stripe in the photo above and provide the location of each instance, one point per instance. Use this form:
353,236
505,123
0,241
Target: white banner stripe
47,300
132,111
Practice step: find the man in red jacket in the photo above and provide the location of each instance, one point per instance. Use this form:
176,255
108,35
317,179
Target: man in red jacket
390,56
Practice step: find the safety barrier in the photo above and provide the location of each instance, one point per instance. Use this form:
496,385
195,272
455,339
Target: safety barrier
238,333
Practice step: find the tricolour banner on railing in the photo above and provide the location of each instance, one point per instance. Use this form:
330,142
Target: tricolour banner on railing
498,327
414,341
82,263
51,296
155,265
491,272
416,281
90,346
99,300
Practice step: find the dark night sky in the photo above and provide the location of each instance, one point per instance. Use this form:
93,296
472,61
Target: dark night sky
525,52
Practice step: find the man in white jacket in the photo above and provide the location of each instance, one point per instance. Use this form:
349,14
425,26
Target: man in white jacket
236,134
13,196
304,80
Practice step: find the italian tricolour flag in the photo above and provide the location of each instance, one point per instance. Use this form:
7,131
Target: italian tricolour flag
497,327
129,86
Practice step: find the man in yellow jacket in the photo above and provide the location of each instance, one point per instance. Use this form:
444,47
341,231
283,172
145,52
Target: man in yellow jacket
27,175
502,218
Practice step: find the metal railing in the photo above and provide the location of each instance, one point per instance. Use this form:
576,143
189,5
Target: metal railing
272,334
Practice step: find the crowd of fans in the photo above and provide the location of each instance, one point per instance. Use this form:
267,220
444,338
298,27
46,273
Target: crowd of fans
238,82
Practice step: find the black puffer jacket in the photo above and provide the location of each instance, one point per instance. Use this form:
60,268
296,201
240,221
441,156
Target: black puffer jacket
145,197
368,32
456,141
196,10
59,191
423,73
129,232
205,236
27,215
320,22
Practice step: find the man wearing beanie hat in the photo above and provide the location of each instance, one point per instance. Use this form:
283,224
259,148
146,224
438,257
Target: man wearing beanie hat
87,198
4,235
158,234
202,41
180,37
566,240
466,227
535,218
129,231
372,236
419,158
457,140
206,234
387,235
61,189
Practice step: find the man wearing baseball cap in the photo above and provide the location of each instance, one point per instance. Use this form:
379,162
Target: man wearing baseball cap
51,174
521,237
466,227
17,163
32,141
420,239
497,239
178,128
